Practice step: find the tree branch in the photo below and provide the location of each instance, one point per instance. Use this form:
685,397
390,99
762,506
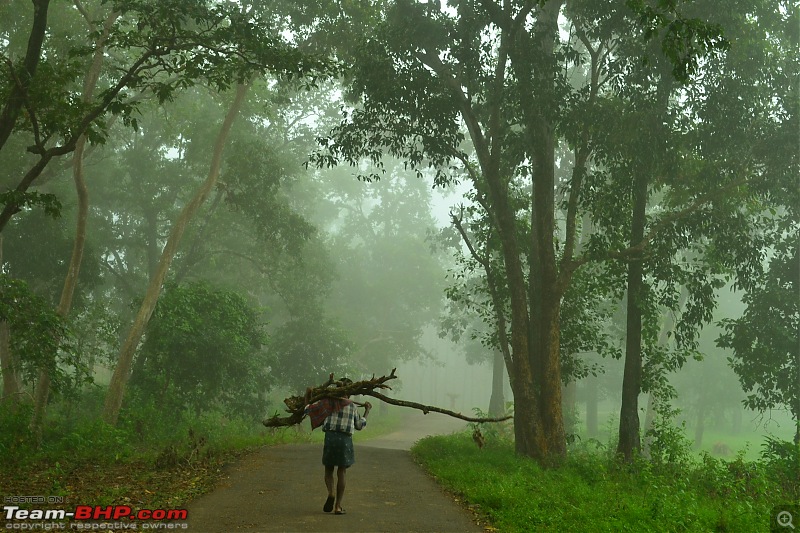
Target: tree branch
632,252
430,408
296,404
18,93
457,223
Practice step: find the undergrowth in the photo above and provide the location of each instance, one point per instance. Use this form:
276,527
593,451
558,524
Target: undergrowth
593,491
150,459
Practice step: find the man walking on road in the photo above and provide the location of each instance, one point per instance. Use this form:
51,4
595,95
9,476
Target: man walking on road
338,418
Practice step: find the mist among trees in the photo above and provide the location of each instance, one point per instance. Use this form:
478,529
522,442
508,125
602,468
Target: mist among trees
209,206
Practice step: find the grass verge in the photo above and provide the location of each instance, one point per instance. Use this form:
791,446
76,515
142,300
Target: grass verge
592,492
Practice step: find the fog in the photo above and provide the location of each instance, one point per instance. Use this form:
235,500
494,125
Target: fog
582,218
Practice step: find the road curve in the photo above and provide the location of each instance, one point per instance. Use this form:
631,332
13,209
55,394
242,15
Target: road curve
281,489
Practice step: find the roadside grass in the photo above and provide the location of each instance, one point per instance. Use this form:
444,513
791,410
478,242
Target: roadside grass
592,492
151,459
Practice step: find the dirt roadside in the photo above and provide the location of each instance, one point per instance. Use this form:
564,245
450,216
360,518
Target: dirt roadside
281,489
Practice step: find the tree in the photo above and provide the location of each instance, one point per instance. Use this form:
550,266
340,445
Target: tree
498,70
116,389
307,349
39,339
765,339
388,280
205,349
161,47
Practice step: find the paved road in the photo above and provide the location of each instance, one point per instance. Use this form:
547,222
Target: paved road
281,489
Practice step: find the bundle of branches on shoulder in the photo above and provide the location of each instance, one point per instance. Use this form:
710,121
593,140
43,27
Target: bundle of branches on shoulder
340,389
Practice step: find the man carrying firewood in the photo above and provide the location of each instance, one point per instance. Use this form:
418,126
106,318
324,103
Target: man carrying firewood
338,418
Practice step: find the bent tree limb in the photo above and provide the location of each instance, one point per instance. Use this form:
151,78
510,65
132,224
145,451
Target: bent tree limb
296,404
119,378
19,92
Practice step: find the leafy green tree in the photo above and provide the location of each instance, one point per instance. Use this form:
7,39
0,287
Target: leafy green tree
307,350
502,72
765,339
36,250
205,349
153,47
39,339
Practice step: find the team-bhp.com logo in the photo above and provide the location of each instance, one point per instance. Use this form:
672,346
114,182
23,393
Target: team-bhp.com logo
122,515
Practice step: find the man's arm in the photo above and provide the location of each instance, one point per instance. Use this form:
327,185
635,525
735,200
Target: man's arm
361,421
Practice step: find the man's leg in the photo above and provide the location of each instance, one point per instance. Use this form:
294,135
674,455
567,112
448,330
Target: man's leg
340,484
328,507
329,480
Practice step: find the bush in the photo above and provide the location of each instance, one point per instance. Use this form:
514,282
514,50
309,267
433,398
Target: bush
494,432
16,439
204,350
87,441
782,460
670,444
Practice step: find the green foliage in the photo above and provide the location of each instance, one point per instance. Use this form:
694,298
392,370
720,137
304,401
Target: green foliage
39,337
592,493
204,348
37,249
16,439
88,440
72,433
683,40
307,350
23,200
765,339
782,459
494,432
255,184
669,444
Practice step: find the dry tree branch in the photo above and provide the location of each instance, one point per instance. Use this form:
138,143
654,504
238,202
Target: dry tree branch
431,408
296,404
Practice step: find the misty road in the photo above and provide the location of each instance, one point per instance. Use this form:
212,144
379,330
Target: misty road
280,489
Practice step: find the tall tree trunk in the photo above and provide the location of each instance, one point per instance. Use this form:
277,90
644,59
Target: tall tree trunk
546,437
629,437
569,407
544,300
8,365
119,379
591,406
700,427
629,429
667,327
42,391
497,402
